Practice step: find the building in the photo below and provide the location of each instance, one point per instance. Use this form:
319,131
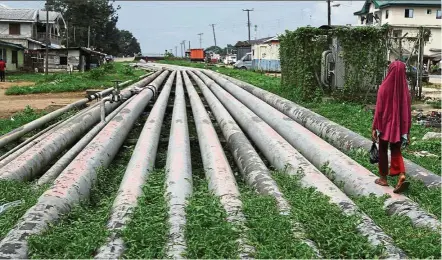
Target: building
13,55
406,17
244,47
78,59
265,55
27,27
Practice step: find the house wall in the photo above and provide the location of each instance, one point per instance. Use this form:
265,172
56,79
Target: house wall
266,57
12,66
25,30
420,17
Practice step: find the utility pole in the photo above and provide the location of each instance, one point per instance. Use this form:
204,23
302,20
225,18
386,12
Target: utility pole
184,47
47,38
329,12
213,29
200,34
88,36
248,18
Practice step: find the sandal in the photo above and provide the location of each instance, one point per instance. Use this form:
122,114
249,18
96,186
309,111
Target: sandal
402,184
381,182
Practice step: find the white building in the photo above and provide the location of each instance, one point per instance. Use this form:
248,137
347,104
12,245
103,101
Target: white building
406,16
266,55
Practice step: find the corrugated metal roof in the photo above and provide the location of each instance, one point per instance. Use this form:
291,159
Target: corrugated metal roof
13,45
13,14
52,16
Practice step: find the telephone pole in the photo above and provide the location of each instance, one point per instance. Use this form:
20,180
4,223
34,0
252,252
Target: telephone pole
184,47
256,31
201,40
47,38
213,28
248,18
328,12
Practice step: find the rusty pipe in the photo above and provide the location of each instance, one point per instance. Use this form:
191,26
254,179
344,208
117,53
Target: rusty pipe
339,136
29,164
250,164
140,165
286,159
75,182
216,167
356,180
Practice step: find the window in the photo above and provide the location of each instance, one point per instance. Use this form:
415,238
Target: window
14,29
409,13
3,54
397,33
428,11
63,60
438,14
387,12
248,58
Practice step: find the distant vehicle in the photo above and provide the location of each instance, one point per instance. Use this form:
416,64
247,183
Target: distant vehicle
229,59
197,54
245,63
109,58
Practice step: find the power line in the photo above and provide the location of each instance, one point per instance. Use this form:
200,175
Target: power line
248,18
214,36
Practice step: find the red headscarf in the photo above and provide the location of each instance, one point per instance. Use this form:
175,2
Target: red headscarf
393,106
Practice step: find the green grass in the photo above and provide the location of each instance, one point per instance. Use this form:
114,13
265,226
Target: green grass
208,234
417,243
19,119
334,233
146,234
62,82
12,191
269,232
81,232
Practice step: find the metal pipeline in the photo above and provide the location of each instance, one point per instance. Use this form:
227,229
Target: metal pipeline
179,174
103,107
216,167
339,136
67,158
286,159
253,169
356,180
26,147
31,162
75,182
140,165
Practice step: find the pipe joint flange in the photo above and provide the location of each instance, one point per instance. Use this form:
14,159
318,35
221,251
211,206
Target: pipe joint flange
154,91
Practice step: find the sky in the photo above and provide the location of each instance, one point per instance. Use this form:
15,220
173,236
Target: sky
162,25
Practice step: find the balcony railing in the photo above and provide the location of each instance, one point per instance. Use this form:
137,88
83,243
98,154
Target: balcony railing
55,39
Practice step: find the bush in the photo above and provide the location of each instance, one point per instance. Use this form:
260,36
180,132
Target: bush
96,73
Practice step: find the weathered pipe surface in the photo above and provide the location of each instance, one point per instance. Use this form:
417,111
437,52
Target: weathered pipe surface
286,159
356,180
42,137
339,136
19,132
250,164
67,158
216,167
30,163
75,182
179,174
140,165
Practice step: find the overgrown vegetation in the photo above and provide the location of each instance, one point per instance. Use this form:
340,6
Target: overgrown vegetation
270,233
100,77
417,243
334,233
81,232
301,51
14,191
18,119
146,234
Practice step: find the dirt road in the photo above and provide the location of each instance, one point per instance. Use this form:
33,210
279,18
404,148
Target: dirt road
50,101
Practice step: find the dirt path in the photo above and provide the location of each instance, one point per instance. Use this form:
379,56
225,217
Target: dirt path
49,101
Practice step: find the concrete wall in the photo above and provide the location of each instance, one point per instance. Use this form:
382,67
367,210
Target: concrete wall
420,16
20,59
268,51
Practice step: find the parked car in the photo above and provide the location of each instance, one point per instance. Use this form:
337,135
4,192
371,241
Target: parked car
109,58
245,63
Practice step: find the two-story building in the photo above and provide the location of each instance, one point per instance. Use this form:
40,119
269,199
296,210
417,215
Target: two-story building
27,27
406,17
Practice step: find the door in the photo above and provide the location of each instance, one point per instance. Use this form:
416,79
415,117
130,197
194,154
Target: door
14,59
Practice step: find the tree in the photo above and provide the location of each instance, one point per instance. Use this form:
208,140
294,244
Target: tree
101,16
128,44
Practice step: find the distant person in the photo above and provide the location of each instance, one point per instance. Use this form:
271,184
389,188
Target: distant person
392,123
2,70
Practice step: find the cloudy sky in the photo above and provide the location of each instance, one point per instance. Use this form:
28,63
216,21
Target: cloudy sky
161,25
